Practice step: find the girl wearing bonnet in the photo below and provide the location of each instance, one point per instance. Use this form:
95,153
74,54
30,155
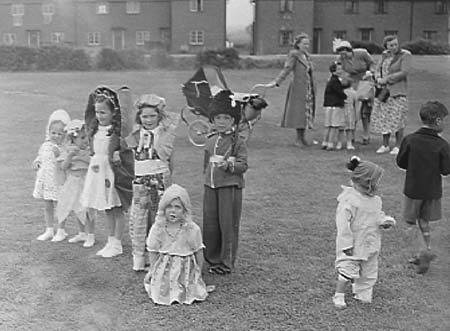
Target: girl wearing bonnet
359,218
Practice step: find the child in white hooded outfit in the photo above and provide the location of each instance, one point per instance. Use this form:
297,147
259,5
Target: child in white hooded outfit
359,218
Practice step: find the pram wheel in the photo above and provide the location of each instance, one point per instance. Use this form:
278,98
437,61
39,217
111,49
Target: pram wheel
245,130
198,130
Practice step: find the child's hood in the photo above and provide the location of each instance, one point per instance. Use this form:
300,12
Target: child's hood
57,115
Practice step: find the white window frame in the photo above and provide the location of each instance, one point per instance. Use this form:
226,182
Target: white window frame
196,37
133,7
353,8
441,7
102,8
366,30
286,6
47,18
48,9
38,38
17,20
381,6
17,9
9,38
142,36
94,38
430,35
196,5
340,34
290,37
56,37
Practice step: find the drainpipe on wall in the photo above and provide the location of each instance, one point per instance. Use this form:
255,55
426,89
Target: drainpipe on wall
411,20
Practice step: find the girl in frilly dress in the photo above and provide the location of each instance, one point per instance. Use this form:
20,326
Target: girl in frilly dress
175,249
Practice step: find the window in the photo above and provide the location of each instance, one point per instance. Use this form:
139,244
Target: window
93,38
351,6
56,37
196,5
48,18
390,32
9,38
102,8
286,6
430,35
381,6
133,7
196,37
340,34
18,20
17,9
441,7
366,34
48,8
286,37
142,37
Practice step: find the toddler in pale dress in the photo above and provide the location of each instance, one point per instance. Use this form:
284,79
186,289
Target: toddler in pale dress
175,249
48,178
100,191
74,160
359,218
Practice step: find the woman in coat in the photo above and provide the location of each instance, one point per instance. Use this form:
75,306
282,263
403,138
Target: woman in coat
299,109
389,116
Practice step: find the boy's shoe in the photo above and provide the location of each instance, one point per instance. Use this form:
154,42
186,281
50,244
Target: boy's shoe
48,234
423,261
350,147
339,300
104,249
80,237
138,263
90,240
338,146
60,235
324,145
394,151
383,149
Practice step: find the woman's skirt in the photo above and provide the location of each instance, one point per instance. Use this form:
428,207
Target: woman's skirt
389,116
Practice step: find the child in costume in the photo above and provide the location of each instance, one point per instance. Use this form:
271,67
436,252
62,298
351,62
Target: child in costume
334,103
152,144
107,167
224,167
176,252
359,219
425,156
74,160
48,178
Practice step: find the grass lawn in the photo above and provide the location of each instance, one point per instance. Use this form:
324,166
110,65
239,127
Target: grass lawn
284,278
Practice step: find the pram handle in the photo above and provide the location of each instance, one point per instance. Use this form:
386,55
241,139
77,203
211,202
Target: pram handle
256,86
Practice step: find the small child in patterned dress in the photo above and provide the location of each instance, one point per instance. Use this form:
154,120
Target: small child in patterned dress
48,179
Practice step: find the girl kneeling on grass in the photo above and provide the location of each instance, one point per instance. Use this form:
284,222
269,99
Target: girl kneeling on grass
75,161
47,184
359,218
176,252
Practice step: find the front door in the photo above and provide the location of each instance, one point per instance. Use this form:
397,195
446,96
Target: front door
34,38
118,39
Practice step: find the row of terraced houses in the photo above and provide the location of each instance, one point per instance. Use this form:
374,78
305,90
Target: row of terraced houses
193,25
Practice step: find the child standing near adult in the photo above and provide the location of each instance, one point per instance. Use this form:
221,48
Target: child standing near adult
334,103
100,191
425,156
152,144
47,183
176,252
224,166
359,217
74,160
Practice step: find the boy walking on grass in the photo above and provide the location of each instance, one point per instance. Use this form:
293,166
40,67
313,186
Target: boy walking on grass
425,156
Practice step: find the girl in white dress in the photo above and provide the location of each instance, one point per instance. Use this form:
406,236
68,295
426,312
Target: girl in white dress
75,161
48,181
99,191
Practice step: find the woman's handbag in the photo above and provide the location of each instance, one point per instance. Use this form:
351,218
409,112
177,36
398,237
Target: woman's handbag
365,90
382,93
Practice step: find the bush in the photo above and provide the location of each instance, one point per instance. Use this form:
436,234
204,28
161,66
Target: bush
372,48
422,46
108,59
159,58
133,59
225,58
48,58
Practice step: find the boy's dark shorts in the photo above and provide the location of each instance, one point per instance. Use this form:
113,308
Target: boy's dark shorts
427,210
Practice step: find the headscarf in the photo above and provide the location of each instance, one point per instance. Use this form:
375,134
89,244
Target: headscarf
59,115
174,191
366,174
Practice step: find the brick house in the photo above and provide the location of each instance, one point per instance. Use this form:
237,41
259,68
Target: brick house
177,25
276,22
